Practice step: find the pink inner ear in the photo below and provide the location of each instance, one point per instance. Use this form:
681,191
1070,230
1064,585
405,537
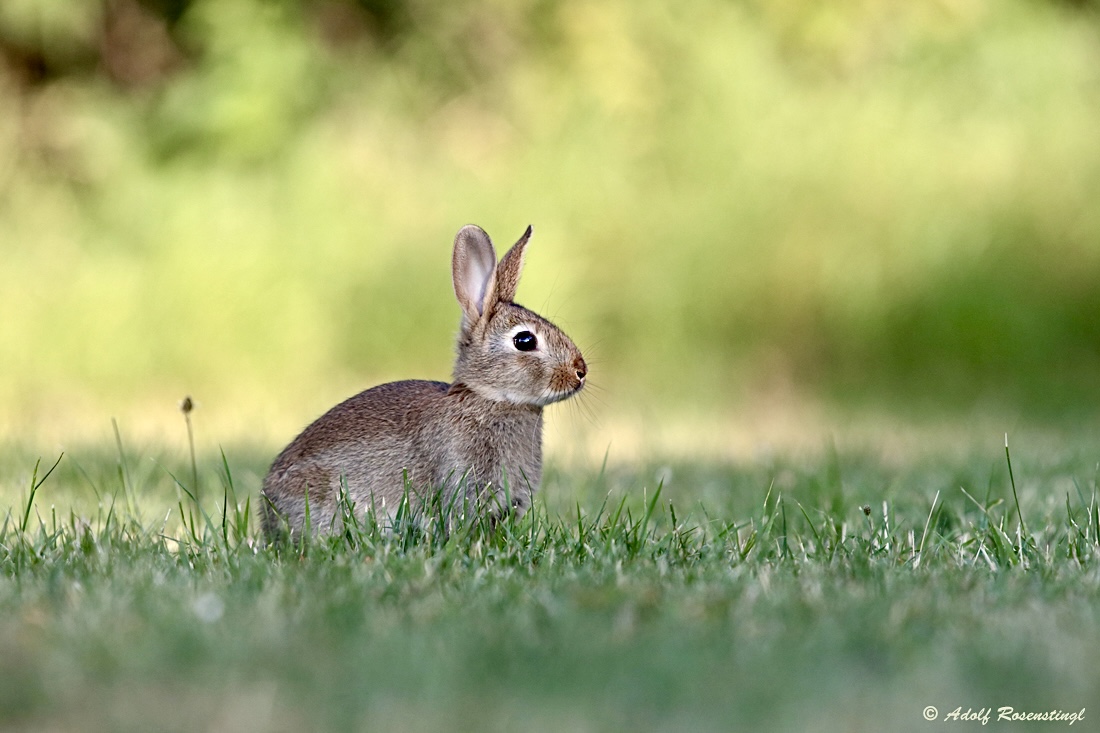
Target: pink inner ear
479,299
479,278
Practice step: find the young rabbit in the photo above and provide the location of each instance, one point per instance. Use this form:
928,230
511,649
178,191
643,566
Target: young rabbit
476,441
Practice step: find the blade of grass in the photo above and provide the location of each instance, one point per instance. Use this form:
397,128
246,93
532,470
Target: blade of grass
924,534
36,483
1012,480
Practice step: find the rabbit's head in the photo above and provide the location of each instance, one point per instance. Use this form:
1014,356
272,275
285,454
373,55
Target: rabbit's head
507,353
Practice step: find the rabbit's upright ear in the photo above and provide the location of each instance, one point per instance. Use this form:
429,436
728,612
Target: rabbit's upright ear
473,269
511,265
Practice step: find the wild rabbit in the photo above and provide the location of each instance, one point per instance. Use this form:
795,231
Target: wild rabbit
475,443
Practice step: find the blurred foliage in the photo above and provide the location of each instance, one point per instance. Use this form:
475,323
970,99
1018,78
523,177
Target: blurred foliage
253,200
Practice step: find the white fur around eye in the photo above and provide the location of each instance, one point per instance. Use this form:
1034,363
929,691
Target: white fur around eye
520,329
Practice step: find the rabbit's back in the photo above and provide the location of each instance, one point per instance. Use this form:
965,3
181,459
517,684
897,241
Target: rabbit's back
372,443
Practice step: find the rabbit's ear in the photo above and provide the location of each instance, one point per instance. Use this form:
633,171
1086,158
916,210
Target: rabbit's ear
473,269
510,267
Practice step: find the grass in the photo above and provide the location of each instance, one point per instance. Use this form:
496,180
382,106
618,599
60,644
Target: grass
835,593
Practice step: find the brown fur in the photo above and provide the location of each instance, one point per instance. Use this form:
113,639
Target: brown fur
477,440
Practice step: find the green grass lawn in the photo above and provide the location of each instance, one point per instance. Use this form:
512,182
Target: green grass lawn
838,593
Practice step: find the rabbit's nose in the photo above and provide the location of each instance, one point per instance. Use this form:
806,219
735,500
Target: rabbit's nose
581,367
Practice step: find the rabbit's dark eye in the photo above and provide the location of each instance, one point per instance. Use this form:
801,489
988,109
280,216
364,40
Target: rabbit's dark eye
525,341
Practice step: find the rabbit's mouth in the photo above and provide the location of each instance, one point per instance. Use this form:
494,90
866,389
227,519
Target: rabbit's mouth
551,396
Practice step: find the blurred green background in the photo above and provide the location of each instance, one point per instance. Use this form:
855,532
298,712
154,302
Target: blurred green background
758,202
